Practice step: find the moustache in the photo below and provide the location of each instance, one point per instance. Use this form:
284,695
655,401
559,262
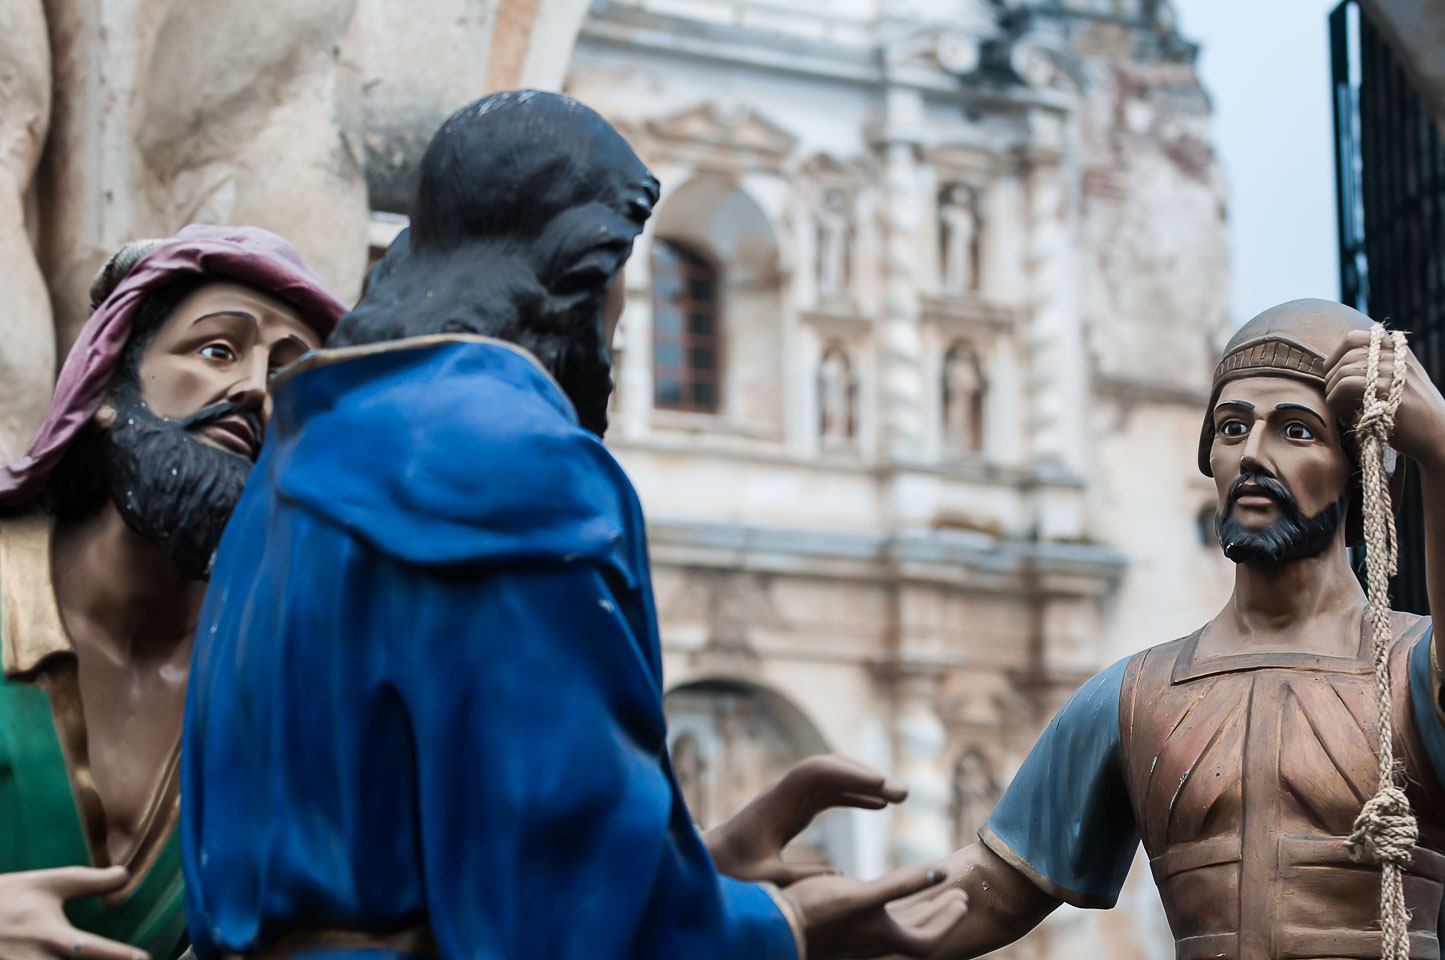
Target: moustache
225,410
1269,485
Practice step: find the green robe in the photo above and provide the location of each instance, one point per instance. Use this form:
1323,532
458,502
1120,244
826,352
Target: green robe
40,820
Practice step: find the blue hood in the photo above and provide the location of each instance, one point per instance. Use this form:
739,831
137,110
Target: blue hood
448,451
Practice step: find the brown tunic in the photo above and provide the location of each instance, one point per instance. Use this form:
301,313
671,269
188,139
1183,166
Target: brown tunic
1246,773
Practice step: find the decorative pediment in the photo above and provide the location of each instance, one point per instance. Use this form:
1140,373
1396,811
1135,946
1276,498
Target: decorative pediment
829,170
962,162
736,128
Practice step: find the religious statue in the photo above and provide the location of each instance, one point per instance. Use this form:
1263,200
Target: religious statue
958,239
426,710
107,529
963,394
1243,753
835,243
835,397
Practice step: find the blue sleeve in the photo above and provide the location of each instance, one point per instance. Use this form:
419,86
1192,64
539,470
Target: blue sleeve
1423,692
552,824
1065,820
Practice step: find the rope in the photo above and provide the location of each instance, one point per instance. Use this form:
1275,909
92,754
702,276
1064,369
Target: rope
1385,831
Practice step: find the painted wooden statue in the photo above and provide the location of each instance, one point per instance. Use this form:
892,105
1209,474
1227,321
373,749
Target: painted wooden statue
107,529
1243,753
426,706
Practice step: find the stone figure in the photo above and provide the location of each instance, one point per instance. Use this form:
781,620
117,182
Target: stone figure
958,239
27,334
835,243
835,397
107,529
964,389
974,793
1243,753
431,627
149,133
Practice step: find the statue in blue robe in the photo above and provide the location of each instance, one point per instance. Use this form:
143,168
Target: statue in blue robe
425,712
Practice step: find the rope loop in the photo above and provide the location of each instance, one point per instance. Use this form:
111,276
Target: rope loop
1385,832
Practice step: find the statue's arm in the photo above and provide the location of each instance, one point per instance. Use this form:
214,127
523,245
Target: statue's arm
1003,903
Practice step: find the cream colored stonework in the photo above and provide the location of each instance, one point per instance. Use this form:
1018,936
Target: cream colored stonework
921,601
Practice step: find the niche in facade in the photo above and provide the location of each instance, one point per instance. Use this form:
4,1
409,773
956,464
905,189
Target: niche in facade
959,230
965,393
837,397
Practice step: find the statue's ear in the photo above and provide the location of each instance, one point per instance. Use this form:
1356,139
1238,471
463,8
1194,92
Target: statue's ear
104,417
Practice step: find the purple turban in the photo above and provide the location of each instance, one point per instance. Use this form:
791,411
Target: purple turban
246,254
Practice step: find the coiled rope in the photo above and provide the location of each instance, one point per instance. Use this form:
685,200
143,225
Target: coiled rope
1385,831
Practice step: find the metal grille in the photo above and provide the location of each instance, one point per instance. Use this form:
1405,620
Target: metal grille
1390,177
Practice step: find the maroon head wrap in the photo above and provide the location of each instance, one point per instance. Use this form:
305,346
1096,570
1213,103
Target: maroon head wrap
247,254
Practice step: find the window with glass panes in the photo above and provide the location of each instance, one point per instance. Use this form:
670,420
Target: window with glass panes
686,341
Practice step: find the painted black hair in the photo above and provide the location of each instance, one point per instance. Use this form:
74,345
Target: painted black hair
526,208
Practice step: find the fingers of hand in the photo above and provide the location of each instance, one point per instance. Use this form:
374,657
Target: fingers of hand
67,941
1354,340
786,874
901,883
927,923
71,882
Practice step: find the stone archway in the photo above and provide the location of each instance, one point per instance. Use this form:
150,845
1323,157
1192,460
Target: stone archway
729,740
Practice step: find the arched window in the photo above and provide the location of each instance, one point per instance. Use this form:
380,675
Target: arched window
964,390
686,340
837,395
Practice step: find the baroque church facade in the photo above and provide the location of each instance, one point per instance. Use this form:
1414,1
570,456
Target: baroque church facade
909,380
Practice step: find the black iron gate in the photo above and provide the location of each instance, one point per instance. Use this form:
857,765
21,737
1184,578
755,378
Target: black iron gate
1390,183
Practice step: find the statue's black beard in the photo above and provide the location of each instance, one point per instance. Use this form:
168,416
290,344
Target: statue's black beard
1291,537
169,486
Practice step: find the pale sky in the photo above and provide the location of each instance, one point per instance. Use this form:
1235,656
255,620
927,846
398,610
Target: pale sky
1266,66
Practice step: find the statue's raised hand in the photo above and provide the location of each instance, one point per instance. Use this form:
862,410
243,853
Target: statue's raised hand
32,915
750,845
1419,423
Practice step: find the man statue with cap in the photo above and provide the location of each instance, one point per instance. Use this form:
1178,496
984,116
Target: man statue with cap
108,526
1243,753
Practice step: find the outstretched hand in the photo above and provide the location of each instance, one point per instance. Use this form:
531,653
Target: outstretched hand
844,918
749,846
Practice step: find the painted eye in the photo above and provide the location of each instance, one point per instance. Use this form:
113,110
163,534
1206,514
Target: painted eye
219,352
1298,431
1233,428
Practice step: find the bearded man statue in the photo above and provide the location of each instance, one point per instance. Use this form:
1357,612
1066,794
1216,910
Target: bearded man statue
431,632
1242,754
108,525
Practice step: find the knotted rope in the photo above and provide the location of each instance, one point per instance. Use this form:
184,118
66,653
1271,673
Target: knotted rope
1385,831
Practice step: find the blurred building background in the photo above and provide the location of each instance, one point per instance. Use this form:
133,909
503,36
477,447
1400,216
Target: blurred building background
910,381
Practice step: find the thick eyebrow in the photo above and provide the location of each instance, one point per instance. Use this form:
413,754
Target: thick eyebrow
1233,403
1303,409
227,313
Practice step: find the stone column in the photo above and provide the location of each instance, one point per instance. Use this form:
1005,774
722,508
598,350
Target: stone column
27,334
900,369
1055,340
920,826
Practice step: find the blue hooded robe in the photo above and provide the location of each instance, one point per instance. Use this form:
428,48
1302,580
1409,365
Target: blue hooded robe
427,685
